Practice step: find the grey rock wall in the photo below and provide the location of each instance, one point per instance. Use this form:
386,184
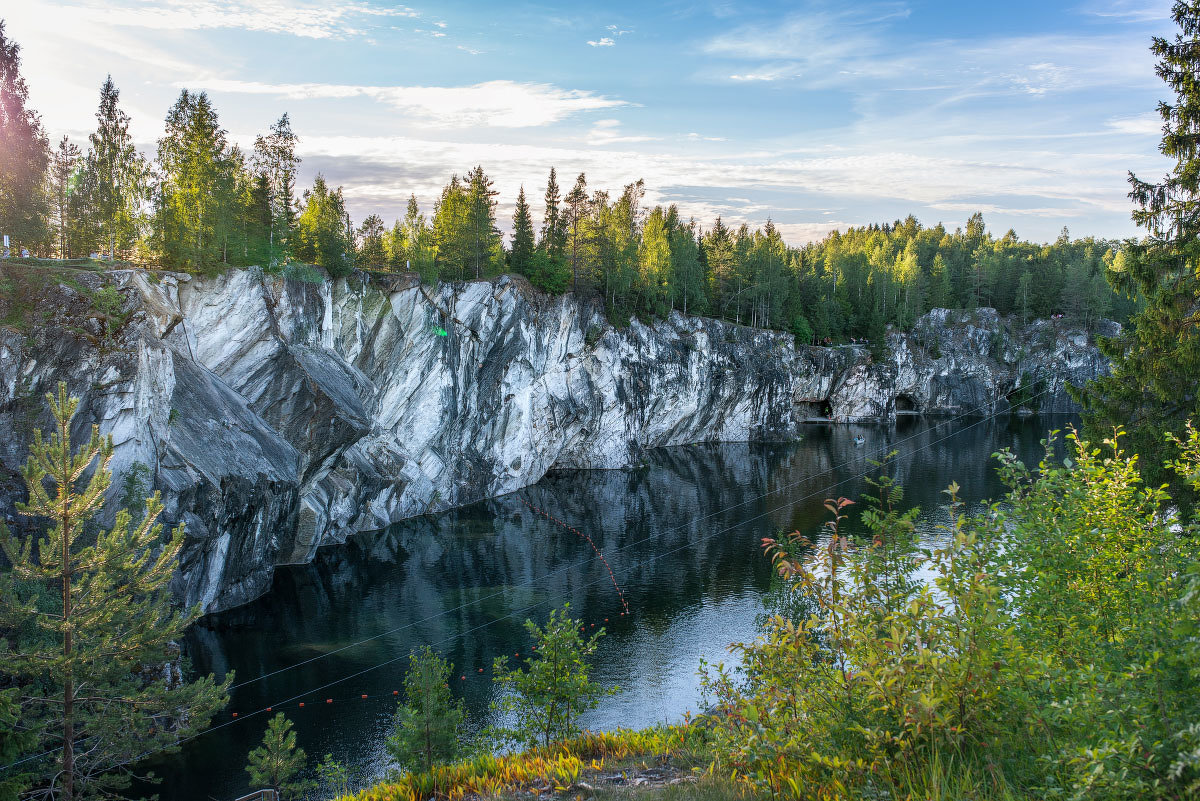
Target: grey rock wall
278,416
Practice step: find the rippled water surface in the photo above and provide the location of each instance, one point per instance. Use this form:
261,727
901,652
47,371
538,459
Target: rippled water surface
681,534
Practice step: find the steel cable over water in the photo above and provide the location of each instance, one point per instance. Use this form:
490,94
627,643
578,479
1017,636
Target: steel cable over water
238,717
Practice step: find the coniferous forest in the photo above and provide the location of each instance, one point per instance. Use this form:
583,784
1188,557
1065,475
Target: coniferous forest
202,204
1043,643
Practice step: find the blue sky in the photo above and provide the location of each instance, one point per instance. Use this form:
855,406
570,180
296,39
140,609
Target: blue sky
817,115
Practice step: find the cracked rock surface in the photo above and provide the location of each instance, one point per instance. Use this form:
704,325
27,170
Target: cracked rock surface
278,416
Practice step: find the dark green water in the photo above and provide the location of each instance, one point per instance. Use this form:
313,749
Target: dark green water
682,536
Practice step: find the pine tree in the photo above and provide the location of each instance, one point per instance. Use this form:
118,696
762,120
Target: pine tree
429,720
118,175
24,154
277,764
92,672
1153,387
521,256
553,689
275,158
14,742
63,172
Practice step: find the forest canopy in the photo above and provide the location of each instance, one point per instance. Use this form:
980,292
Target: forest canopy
203,204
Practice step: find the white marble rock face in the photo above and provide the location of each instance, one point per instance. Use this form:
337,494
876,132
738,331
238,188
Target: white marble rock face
278,416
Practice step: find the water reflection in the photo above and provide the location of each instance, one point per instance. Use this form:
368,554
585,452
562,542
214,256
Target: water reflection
681,534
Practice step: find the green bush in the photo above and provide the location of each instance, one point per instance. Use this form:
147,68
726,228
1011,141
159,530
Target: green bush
1053,653
548,695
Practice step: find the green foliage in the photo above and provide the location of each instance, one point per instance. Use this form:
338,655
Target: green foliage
549,693
1155,361
24,154
304,273
275,164
277,764
429,720
324,234
1051,654
13,743
198,206
89,625
521,254
334,776
114,183
371,252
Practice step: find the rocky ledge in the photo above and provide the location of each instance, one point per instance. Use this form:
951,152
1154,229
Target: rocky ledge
277,416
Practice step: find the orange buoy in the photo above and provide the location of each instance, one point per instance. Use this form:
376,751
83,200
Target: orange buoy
301,703
481,670
395,692
464,678
364,695
235,714
269,708
329,700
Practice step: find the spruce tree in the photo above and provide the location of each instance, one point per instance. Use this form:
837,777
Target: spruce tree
450,229
553,239
90,623
522,242
429,720
577,209
118,174
482,236
1153,387
24,154
278,764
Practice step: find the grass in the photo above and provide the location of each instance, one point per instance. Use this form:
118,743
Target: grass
576,768
24,284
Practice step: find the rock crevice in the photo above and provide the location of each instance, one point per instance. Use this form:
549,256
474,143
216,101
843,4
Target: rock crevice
278,416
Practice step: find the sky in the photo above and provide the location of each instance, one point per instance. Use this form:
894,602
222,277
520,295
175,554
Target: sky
816,115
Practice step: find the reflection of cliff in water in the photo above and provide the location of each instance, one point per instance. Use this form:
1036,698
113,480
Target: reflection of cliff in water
682,535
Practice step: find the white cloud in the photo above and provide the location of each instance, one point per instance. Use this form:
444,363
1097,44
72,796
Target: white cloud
608,132
497,104
312,21
602,42
1149,123
1130,10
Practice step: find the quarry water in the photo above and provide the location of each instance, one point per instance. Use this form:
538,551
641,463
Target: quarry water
682,535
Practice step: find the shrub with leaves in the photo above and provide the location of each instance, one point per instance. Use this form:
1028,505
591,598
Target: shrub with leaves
553,689
1052,654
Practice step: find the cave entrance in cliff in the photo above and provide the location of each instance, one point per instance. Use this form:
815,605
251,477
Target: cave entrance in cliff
814,411
906,404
